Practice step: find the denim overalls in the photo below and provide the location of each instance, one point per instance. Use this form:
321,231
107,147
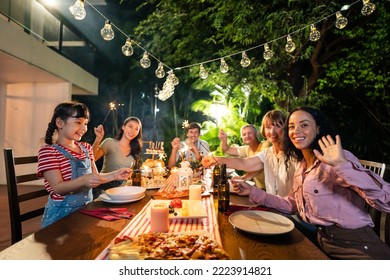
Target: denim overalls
55,210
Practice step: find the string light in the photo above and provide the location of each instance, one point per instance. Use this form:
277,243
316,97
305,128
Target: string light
160,73
127,48
173,78
290,45
224,67
341,21
77,10
315,35
268,53
202,72
245,61
107,32
168,86
368,8
145,61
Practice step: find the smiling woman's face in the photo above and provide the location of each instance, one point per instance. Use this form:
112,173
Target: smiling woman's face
302,129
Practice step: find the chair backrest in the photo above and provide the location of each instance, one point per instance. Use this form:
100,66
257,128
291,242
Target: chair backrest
376,167
15,198
380,219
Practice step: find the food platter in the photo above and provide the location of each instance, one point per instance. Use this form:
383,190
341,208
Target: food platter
195,209
167,246
261,222
105,198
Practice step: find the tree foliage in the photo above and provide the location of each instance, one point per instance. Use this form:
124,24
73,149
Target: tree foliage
345,73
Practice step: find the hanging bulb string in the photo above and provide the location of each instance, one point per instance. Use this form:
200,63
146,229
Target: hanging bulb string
126,35
343,8
262,45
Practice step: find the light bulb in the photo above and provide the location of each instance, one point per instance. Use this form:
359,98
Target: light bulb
341,21
290,45
245,61
107,32
172,78
160,73
145,61
202,72
368,8
77,10
315,35
268,53
127,48
224,68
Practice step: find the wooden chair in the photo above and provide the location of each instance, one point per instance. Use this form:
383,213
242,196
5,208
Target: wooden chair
381,219
15,198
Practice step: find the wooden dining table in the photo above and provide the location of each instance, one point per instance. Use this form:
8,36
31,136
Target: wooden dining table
83,237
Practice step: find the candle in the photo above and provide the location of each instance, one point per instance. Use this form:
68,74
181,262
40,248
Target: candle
159,221
195,192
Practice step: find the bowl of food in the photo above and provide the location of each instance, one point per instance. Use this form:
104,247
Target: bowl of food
125,192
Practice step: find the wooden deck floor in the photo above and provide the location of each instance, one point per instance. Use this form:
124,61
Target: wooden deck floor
29,227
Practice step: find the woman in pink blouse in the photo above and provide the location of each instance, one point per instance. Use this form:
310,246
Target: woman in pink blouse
330,189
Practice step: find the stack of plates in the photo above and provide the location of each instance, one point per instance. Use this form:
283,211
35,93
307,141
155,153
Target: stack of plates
123,194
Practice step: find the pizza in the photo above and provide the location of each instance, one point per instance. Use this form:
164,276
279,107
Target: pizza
167,246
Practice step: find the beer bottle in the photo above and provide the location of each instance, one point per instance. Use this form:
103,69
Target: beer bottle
136,176
223,191
216,177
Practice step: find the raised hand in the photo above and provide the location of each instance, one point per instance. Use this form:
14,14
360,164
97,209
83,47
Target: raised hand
332,153
222,135
99,131
175,143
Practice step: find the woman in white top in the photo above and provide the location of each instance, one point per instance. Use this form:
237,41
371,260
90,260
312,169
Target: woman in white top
278,173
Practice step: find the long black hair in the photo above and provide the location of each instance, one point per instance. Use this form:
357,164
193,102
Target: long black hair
64,111
136,143
325,128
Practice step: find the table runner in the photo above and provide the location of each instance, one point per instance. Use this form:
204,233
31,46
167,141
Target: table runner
140,224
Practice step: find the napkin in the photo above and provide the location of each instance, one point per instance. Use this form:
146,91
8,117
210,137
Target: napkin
109,214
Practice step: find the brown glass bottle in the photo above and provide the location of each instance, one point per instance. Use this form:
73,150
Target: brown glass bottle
136,176
216,178
223,191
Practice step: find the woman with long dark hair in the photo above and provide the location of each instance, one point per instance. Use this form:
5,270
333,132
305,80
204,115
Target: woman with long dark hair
330,189
122,151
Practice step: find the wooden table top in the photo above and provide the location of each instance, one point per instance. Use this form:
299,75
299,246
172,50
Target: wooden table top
82,237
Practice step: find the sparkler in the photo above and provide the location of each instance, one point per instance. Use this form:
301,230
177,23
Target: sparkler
112,106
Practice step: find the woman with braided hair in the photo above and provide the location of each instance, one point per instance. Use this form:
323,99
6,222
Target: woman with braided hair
68,165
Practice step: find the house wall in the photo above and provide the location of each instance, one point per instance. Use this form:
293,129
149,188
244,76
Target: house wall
27,99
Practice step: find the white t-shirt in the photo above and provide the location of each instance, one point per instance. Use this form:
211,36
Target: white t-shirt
246,151
278,180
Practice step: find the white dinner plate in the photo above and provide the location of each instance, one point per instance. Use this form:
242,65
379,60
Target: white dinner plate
195,209
261,222
105,198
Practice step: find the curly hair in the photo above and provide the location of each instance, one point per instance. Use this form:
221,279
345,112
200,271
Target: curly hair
136,143
192,126
325,128
64,111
